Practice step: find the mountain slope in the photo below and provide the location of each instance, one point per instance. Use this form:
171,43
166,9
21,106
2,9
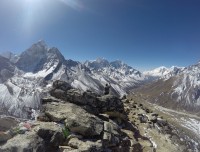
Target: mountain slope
180,91
6,69
121,76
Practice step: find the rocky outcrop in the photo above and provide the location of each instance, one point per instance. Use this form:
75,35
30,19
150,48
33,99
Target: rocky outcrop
76,118
24,142
93,122
75,121
7,123
87,114
85,145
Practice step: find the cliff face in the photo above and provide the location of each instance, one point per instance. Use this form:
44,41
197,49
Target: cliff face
72,120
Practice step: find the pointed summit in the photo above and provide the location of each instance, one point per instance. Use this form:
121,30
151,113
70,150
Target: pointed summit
38,56
99,60
41,42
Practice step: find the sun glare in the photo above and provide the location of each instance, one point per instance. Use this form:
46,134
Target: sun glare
31,1
75,4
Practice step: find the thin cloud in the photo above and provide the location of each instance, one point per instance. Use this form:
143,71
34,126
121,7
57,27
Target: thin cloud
75,4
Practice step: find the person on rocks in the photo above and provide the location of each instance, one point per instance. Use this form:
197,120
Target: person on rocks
107,89
31,114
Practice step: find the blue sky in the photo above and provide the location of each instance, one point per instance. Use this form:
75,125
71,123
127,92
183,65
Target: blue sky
143,33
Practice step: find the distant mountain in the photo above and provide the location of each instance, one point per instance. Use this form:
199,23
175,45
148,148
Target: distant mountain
163,72
120,75
39,58
177,88
6,69
10,56
34,70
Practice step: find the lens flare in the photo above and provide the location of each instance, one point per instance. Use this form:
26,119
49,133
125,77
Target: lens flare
75,4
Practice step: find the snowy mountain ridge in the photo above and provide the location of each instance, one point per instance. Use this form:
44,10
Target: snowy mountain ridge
163,72
176,88
187,85
23,81
37,67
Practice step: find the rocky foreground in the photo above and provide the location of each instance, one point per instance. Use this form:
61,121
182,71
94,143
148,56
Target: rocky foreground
75,121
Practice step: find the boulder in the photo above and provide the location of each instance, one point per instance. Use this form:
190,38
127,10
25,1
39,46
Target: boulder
88,100
28,142
161,122
77,119
153,119
7,123
86,145
4,137
58,84
58,93
51,133
110,103
111,134
143,118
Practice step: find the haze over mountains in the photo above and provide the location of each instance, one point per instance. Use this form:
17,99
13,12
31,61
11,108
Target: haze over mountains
25,78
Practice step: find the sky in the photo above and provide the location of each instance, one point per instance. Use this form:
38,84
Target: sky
142,33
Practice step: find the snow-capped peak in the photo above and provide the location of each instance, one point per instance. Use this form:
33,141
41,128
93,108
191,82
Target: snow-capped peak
41,43
163,72
38,56
158,72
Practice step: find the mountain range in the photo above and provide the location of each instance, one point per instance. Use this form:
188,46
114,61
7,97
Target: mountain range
25,78
177,88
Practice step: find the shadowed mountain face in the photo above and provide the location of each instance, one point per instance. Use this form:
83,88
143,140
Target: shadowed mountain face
6,69
39,57
37,67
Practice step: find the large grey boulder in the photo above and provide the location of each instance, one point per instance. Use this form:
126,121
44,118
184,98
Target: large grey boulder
110,103
111,134
87,100
28,142
61,85
51,133
7,123
4,136
77,119
42,137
